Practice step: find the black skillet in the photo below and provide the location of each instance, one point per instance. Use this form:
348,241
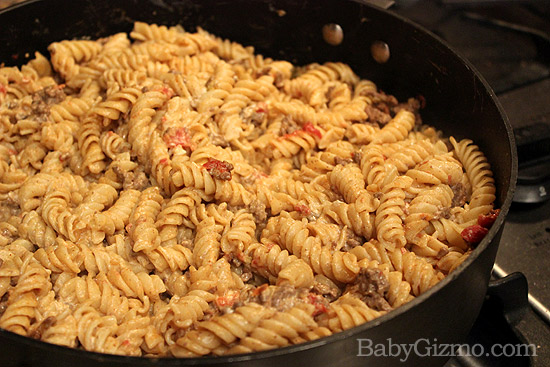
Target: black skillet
458,101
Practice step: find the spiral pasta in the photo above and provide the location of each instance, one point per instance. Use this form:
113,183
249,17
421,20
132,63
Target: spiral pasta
294,236
173,193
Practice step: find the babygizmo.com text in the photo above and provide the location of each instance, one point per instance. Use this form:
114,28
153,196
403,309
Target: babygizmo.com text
425,347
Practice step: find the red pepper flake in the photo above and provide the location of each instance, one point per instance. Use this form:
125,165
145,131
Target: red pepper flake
167,91
487,220
126,342
163,161
227,300
218,169
3,89
60,86
449,179
474,234
177,137
259,290
261,107
12,151
316,300
302,209
310,129
270,245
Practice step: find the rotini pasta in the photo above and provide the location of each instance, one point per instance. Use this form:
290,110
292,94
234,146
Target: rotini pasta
172,193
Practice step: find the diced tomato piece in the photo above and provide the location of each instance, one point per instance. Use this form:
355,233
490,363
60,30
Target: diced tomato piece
316,300
310,129
474,234
219,169
487,220
302,209
261,107
177,137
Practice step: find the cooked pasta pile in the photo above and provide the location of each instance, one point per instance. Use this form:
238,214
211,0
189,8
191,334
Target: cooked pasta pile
175,194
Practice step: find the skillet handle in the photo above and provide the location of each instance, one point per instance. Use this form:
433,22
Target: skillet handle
512,292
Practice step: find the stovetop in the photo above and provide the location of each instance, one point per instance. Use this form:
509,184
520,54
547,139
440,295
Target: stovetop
509,44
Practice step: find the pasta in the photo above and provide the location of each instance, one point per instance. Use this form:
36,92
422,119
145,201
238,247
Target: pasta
169,193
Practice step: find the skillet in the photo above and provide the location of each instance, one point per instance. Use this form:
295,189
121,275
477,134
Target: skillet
458,101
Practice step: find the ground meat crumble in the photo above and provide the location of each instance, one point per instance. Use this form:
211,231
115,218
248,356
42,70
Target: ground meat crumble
258,210
288,126
460,195
42,99
132,180
352,240
370,286
44,325
325,290
218,140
